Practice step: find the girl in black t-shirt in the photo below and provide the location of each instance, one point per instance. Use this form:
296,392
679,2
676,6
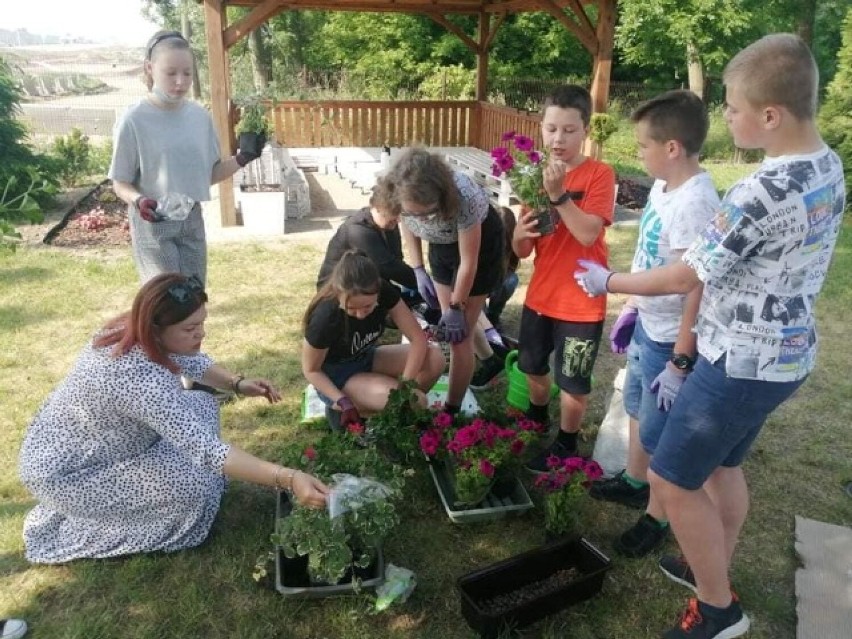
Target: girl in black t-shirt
341,355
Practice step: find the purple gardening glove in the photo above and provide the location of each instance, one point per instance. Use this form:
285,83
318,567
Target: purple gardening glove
453,324
594,279
426,287
667,385
147,208
622,330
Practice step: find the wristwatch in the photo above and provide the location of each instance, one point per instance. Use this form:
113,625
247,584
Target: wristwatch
682,362
561,199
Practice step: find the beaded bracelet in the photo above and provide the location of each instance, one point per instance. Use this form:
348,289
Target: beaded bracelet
276,479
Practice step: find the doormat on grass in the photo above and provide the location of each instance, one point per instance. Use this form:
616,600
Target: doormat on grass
824,582
313,410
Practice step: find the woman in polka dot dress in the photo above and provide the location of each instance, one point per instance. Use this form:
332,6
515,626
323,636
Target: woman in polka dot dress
121,457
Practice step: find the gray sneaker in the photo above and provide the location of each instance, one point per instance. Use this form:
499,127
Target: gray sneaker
675,568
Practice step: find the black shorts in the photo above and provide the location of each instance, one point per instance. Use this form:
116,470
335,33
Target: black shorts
576,345
444,259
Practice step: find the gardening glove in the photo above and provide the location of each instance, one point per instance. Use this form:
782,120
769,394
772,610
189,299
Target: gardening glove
594,279
147,209
348,413
244,157
622,330
426,287
667,385
453,324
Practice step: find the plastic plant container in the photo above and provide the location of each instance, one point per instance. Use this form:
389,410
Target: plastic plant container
291,578
492,507
530,570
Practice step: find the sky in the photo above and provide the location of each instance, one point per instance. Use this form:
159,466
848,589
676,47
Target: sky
113,21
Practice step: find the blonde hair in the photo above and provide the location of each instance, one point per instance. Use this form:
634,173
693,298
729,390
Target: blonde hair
778,69
425,178
163,41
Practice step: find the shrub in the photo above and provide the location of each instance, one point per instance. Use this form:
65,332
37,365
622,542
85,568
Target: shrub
100,158
836,115
72,152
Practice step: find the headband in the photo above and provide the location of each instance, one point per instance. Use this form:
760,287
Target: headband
160,38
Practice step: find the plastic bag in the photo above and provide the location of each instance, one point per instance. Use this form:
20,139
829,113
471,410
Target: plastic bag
398,586
174,206
350,493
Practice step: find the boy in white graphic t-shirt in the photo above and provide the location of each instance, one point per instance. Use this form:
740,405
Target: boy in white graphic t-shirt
670,130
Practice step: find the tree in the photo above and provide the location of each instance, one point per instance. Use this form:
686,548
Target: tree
26,178
836,114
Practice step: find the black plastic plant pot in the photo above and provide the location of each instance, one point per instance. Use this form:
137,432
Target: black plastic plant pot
546,224
252,143
523,589
291,574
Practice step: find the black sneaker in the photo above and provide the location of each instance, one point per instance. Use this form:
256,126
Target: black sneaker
641,538
676,569
538,464
697,622
488,370
618,490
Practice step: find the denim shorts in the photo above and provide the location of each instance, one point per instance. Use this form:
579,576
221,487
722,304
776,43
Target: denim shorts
714,422
645,360
340,372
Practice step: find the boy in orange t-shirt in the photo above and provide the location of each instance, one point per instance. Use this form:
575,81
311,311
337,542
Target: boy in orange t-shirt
557,313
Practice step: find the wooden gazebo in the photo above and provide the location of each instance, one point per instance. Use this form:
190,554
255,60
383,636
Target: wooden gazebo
597,38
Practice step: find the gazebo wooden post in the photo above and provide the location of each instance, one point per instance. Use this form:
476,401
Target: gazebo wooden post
602,68
220,99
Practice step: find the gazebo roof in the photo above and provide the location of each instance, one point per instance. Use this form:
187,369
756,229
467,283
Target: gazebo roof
596,37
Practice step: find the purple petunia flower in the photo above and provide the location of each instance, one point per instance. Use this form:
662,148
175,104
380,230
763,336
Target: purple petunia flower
508,135
499,152
523,143
506,162
534,157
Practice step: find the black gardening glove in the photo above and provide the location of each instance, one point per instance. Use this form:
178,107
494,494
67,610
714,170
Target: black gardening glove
244,157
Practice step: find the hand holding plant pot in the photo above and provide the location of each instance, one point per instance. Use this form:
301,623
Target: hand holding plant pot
252,130
524,167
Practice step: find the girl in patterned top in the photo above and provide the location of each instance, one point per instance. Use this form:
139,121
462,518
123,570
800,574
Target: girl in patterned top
465,235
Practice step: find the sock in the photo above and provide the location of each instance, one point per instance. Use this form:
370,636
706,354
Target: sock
569,440
714,611
452,409
494,337
538,412
633,483
661,523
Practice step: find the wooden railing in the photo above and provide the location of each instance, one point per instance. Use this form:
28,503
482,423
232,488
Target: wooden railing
396,124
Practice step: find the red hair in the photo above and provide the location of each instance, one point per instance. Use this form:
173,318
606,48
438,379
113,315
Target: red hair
163,301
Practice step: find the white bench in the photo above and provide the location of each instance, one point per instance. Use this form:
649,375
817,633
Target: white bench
477,164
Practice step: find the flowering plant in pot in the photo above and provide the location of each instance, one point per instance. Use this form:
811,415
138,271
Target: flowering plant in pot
397,427
477,450
524,166
253,126
566,496
340,541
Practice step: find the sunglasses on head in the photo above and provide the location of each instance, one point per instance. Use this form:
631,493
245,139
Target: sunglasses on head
160,38
186,291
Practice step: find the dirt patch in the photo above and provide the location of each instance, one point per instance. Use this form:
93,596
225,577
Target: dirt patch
633,192
98,219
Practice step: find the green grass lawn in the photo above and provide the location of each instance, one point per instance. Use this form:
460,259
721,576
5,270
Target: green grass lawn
51,301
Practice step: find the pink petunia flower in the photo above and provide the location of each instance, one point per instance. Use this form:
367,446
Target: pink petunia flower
355,428
553,461
310,453
443,420
486,468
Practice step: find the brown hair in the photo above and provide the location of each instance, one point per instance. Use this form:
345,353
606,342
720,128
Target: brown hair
162,41
675,115
571,96
355,274
779,69
163,301
425,178
383,198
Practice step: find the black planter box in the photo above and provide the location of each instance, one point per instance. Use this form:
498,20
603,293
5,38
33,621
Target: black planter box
531,567
291,574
